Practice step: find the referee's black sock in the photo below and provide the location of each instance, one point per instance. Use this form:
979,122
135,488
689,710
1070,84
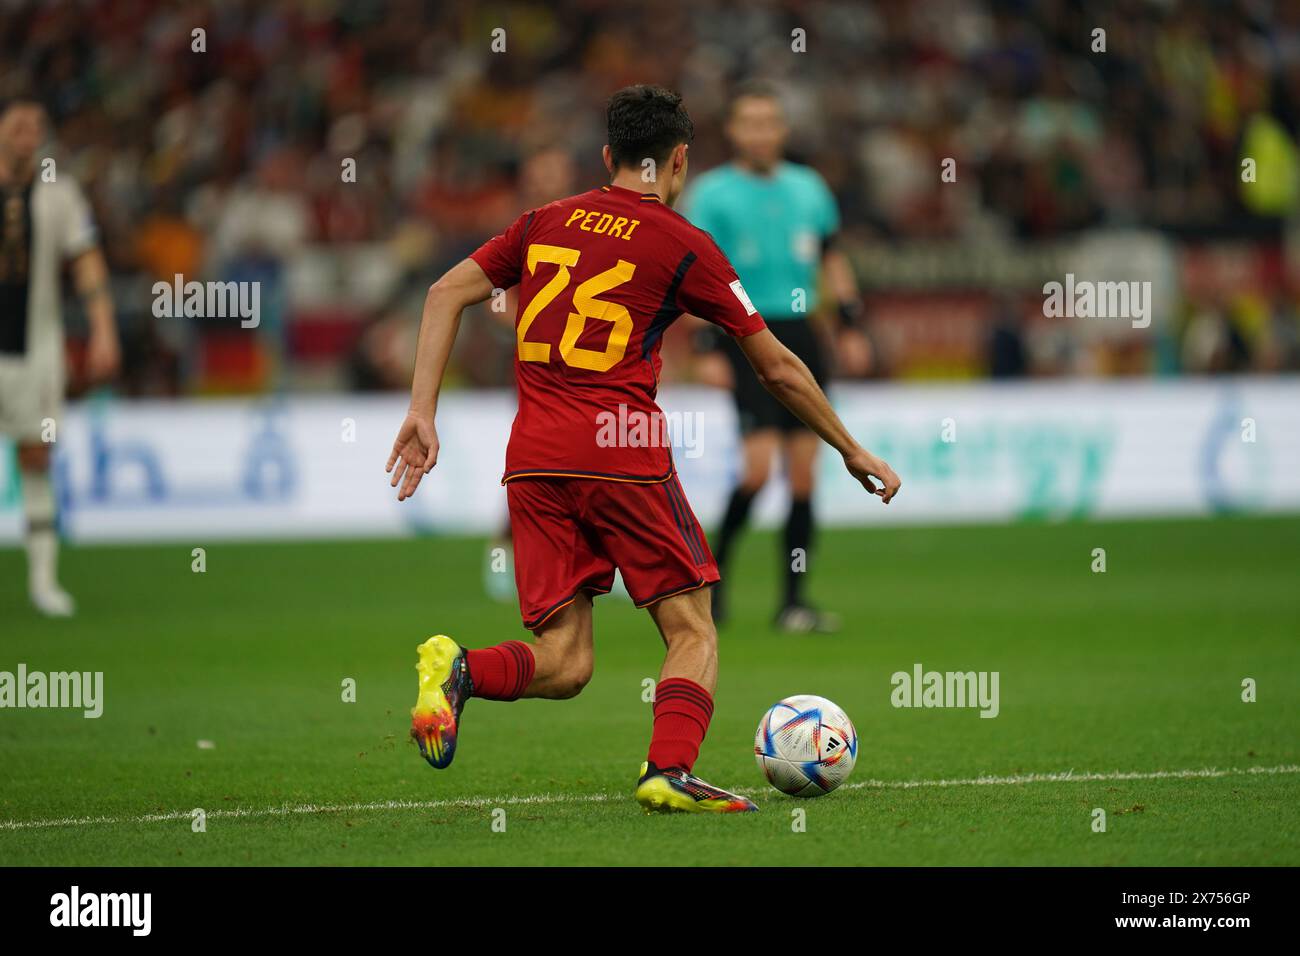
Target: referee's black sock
732,522
798,541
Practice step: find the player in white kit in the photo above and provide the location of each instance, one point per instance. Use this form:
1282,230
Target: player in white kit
44,221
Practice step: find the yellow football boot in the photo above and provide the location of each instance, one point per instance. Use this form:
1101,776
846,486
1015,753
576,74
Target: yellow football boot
444,687
676,791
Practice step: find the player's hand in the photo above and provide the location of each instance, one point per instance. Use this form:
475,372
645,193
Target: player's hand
853,353
864,466
103,357
415,452
713,369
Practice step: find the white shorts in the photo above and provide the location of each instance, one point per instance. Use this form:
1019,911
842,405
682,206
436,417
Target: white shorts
31,394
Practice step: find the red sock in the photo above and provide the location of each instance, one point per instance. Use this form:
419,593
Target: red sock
682,712
502,672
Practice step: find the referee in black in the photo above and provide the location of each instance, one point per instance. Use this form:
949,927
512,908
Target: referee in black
776,221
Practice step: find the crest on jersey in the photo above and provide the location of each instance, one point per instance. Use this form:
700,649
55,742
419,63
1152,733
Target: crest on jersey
739,291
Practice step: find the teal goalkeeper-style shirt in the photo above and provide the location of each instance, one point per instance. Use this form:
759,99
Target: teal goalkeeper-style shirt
773,229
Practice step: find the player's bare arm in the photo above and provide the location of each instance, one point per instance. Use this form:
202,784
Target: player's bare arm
103,353
788,378
415,451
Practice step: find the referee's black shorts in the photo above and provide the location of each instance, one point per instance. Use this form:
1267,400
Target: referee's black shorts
756,408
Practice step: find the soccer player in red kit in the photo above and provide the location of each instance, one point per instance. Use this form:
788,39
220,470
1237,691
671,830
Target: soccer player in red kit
601,275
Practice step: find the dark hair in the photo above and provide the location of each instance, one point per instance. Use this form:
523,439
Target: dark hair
752,90
646,122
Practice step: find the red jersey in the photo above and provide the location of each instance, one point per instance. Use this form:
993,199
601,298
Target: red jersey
601,275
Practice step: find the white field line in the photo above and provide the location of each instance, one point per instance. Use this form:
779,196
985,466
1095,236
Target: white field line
1066,776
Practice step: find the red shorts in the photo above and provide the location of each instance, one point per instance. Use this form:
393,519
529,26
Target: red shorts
571,533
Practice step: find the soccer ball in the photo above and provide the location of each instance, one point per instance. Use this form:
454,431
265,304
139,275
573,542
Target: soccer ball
805,746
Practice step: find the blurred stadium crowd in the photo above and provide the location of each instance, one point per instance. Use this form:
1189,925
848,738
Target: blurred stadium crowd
229,162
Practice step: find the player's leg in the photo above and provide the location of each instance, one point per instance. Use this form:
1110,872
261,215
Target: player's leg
684,695
30,396
756,414
683,708
757,450
563,653
41,534
556,572
800,447
796,614
557,666
651,533
758,447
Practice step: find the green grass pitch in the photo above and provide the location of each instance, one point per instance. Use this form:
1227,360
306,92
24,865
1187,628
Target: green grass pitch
1123,675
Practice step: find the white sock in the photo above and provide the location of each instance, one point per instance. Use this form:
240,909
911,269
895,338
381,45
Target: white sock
42,538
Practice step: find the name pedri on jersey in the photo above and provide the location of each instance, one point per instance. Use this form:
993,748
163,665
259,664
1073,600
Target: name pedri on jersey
601,275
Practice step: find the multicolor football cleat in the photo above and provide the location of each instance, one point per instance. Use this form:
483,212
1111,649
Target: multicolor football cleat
676,791
445,685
